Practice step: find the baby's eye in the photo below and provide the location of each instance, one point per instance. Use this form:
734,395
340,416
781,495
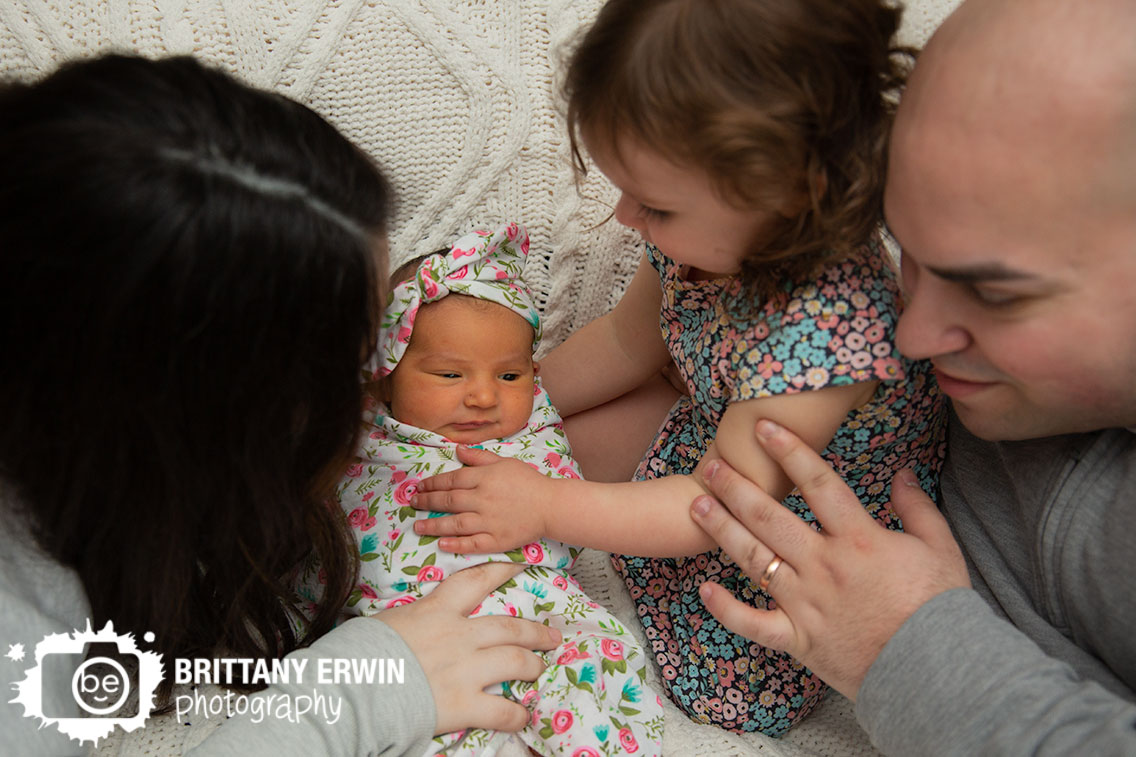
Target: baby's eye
510,376
448,374
650,212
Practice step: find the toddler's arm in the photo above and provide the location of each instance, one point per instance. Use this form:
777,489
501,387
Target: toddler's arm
611,355
502,504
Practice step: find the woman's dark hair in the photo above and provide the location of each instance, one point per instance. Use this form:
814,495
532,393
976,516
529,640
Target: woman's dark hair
188,289
781,102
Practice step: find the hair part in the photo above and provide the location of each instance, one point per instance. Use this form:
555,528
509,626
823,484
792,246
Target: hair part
786,106
187,293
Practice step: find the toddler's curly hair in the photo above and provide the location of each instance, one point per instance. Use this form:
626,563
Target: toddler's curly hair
786,104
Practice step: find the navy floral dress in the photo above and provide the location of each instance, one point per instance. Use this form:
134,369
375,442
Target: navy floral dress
837,329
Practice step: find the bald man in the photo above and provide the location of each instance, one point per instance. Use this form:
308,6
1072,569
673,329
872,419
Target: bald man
1007,624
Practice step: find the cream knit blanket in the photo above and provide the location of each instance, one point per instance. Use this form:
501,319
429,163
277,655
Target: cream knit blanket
456,100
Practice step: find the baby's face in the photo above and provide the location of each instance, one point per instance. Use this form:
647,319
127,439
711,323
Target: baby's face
468,373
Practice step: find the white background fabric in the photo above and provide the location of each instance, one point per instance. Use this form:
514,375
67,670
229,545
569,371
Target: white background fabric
456,100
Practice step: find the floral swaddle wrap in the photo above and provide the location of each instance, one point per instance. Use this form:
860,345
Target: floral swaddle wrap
592,698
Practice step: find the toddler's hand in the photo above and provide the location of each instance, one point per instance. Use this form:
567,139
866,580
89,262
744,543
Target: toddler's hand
500,504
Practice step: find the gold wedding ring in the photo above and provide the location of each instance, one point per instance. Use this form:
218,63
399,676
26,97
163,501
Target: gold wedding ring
770,569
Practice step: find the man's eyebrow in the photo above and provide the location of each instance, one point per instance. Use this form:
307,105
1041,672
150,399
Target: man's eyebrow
972,274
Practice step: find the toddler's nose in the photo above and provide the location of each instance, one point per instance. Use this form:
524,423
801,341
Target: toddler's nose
627,213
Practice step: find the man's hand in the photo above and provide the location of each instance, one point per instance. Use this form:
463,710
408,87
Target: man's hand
842,592
499,504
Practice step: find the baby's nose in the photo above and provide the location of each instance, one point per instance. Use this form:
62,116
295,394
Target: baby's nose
481,394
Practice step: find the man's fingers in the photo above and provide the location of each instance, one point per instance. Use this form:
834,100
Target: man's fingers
468,588
918,512
737,540
745,512
770,628
833,503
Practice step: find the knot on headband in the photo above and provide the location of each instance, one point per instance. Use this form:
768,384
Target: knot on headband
482,264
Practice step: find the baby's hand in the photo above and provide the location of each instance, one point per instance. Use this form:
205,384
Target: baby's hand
500,504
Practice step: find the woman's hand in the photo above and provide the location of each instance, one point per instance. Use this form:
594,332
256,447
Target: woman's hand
463,655
842,592
500,504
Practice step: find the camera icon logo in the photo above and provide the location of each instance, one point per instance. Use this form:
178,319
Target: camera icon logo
111,681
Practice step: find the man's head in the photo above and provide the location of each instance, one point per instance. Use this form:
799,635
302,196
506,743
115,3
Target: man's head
1012,190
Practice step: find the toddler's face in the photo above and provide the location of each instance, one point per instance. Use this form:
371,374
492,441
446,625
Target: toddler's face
468,373
677,209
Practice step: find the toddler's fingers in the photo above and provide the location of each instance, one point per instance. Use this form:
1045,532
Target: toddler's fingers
770,628
473,456
461,524
454,479
445,501
475,544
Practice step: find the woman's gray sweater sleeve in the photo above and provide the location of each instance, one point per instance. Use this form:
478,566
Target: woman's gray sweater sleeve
376,719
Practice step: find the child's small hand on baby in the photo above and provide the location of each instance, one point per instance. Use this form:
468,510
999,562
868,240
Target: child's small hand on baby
498,504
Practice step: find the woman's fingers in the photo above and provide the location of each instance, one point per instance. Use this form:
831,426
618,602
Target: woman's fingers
501,714
465,590
506,631
830,499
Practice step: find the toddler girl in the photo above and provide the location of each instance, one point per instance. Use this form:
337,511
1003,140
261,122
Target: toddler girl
748,140
456,350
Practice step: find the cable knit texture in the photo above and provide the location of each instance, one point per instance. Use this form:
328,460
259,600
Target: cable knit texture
456,99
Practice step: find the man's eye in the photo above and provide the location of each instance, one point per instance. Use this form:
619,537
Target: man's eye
995,299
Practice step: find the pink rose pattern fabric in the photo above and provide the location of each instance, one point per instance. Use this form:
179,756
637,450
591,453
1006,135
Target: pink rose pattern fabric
592,698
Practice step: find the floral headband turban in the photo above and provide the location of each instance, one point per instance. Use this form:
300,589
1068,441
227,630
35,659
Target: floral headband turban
482,264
